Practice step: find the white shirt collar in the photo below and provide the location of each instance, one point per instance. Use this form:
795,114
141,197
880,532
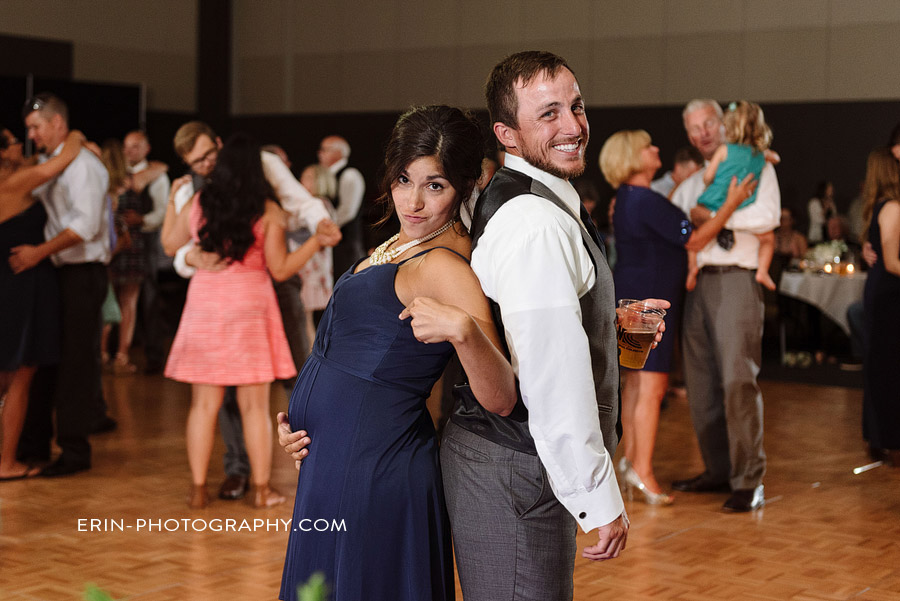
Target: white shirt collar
139,167
559,186
338,166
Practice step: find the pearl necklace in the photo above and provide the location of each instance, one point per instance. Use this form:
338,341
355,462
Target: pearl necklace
382,255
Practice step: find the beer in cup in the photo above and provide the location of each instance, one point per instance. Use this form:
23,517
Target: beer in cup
636,330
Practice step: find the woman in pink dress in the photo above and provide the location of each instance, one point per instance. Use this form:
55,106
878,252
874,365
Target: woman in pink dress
231,332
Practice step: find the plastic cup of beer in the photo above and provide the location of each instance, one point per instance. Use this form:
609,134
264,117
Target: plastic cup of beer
636,330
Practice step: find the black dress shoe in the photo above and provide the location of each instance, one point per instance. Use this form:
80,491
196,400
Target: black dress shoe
745,499
105,424
61,467
234,488
701,483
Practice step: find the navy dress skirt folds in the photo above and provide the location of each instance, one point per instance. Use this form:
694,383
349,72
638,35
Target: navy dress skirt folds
881,396
652,263
29,301
369,511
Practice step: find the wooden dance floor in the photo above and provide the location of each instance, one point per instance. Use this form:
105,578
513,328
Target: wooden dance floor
825,534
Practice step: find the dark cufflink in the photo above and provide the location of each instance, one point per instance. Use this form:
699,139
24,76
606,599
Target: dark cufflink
582,515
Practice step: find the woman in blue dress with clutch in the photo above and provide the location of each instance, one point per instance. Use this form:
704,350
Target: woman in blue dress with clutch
369,511
652,236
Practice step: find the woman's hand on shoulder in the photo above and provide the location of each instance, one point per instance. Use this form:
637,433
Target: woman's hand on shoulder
434,321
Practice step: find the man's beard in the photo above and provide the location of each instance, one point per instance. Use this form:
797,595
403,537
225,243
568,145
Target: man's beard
545,165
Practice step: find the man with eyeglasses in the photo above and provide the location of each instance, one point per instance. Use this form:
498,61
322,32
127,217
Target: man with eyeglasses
723,324
198,146
78,243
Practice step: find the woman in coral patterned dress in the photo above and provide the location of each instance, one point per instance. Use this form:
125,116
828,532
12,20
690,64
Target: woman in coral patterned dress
231,332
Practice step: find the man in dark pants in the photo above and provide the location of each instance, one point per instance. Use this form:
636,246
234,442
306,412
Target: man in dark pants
78,242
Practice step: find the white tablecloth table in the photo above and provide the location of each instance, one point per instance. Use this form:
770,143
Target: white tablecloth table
832,294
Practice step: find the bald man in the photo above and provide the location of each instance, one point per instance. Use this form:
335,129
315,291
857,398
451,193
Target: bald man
136,147
334,155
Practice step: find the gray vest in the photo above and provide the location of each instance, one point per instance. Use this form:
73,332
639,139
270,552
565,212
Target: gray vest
598,315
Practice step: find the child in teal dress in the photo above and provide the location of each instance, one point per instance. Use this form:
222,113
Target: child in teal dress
747,151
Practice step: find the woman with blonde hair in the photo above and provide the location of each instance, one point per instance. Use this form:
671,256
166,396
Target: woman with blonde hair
651,237
881,399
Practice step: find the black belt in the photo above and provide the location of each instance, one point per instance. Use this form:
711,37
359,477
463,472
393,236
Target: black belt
722,268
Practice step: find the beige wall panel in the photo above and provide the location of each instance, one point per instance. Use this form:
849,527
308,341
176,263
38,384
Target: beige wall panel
703,65
863,62
786,65
498,22
161,25
786,14
851,12
569,20
427,76
475,64
370,81
429,24
622,18
366,26
261,28
260,89
626,71
317,83
170,78
703,16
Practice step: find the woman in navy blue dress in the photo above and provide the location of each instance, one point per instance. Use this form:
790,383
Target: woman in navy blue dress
652,235
881,398
369,511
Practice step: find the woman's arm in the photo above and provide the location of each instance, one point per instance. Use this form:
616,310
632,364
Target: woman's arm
889,224
448,305
737,193
25,180
280,262
176,230
142,179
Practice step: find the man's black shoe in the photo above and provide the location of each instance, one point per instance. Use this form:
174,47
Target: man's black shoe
701,483
745,499
234,487
106,424
61,467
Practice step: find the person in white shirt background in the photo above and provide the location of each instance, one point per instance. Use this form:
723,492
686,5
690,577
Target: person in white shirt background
334,155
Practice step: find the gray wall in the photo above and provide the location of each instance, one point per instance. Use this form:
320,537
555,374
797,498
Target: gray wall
311,56
153,42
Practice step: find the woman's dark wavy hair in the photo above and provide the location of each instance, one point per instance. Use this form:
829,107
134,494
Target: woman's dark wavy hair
234,199
444,132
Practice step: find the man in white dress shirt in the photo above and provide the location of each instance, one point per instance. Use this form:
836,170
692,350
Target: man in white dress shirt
136,147
722,331
78,242
542,267
334,155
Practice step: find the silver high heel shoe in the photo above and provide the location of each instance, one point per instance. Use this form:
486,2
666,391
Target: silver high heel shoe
624,465
632,480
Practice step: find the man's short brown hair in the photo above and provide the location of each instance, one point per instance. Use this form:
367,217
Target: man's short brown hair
47,105
500,88
187,135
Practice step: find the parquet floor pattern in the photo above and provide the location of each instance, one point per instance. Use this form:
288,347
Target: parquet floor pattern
825,533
